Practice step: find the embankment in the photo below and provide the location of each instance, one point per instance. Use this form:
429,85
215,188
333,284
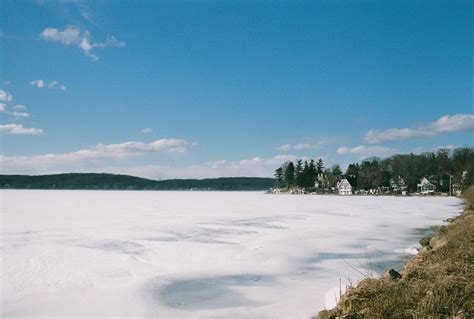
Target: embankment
437,283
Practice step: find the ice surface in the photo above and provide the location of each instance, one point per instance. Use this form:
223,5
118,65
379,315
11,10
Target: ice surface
198,254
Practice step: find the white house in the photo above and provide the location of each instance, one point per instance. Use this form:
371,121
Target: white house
320,181
425,187
344,187
398,185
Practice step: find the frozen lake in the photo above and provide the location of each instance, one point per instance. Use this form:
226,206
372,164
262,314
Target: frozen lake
197,254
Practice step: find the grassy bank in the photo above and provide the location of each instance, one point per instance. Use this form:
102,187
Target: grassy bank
437,283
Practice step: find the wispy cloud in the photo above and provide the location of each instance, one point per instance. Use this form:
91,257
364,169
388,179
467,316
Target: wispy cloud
18,129
146,130
20,107
73,36
363,151
295,147
86,12
256,166
20,114
41,84
19,111
101,153
310,144
87,161
445,124
5,96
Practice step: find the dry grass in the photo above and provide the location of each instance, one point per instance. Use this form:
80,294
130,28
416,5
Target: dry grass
437,283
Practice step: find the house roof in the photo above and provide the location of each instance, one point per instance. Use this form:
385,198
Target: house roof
344,182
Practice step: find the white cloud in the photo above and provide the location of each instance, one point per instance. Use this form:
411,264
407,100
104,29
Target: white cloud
366,151
343,150
445,124
310,145
89,157
97,159
20,107
5,96
51,85
146,130
20,114
171,145
295,147
18,129
38,83
73,36
86,12
251,167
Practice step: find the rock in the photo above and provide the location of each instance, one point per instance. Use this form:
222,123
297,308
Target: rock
394,275
391,274
425,241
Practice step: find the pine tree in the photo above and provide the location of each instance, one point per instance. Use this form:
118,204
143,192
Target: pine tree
312,173
299,173
352,175
279,176
290,174
319,166
306,178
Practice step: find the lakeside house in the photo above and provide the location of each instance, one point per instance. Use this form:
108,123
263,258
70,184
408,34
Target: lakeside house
457,189
344,187
425,187
398,186
321,181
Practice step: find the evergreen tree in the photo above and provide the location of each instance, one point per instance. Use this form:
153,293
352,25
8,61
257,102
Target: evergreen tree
299,173
279,176
290,174
312,173
352,174
336,170
319,166
306,178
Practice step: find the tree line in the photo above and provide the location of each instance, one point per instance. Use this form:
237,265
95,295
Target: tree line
441,167
104,181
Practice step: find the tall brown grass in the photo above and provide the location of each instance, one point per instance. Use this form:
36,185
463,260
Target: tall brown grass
437,283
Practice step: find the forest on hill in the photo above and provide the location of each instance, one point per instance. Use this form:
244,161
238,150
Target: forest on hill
95,181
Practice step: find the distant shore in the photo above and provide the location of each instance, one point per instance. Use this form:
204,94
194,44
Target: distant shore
105,181
356,193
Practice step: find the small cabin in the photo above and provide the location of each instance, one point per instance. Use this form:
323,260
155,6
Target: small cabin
344,187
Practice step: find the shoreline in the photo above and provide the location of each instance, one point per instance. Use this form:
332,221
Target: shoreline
443,195
437,281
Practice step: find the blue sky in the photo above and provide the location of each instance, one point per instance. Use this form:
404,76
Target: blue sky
165,89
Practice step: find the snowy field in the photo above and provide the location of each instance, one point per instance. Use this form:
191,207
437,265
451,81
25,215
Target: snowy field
197,254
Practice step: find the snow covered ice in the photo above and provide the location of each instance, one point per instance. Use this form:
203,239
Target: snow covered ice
198,254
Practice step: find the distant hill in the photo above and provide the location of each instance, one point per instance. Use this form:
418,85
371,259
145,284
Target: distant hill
105,181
